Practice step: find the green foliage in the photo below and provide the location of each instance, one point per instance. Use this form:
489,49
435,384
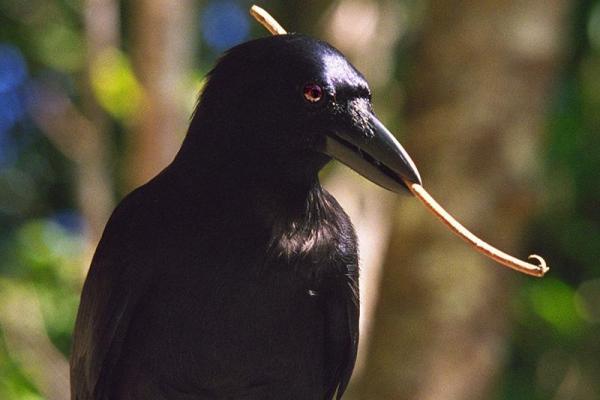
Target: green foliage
562,359
115,84
60,39
554,302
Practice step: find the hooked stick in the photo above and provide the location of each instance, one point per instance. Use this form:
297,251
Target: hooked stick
266,20
478,244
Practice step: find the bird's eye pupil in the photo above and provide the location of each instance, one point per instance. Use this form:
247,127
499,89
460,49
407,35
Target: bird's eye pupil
313,92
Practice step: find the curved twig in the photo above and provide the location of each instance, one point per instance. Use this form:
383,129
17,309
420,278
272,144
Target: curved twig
478,244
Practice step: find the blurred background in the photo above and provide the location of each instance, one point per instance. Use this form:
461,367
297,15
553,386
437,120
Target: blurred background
497,101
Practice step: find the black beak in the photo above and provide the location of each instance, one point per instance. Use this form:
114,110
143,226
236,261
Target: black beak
376,155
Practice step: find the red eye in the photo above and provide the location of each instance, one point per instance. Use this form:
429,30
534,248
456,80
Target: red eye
313,92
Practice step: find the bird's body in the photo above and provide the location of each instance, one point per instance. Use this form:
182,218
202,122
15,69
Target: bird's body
247,320
233,274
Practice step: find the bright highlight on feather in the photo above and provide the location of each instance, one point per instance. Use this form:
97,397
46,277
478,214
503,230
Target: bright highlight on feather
266,20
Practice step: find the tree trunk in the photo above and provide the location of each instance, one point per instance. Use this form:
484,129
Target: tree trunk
482,78
162,53
94,183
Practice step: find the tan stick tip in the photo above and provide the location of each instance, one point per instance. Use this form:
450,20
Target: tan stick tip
542,263
266,20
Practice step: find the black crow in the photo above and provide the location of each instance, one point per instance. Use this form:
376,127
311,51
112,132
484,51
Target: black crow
233,274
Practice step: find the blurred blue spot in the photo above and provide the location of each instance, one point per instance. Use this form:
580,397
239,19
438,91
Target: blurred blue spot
13,73
224,24
70,220
12,108
13,69
8,149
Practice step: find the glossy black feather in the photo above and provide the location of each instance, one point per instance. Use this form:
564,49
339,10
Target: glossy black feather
232,274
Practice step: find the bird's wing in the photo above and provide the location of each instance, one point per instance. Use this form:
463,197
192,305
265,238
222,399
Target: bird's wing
117,279
343,312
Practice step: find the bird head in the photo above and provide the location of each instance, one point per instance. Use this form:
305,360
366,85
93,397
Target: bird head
296,102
